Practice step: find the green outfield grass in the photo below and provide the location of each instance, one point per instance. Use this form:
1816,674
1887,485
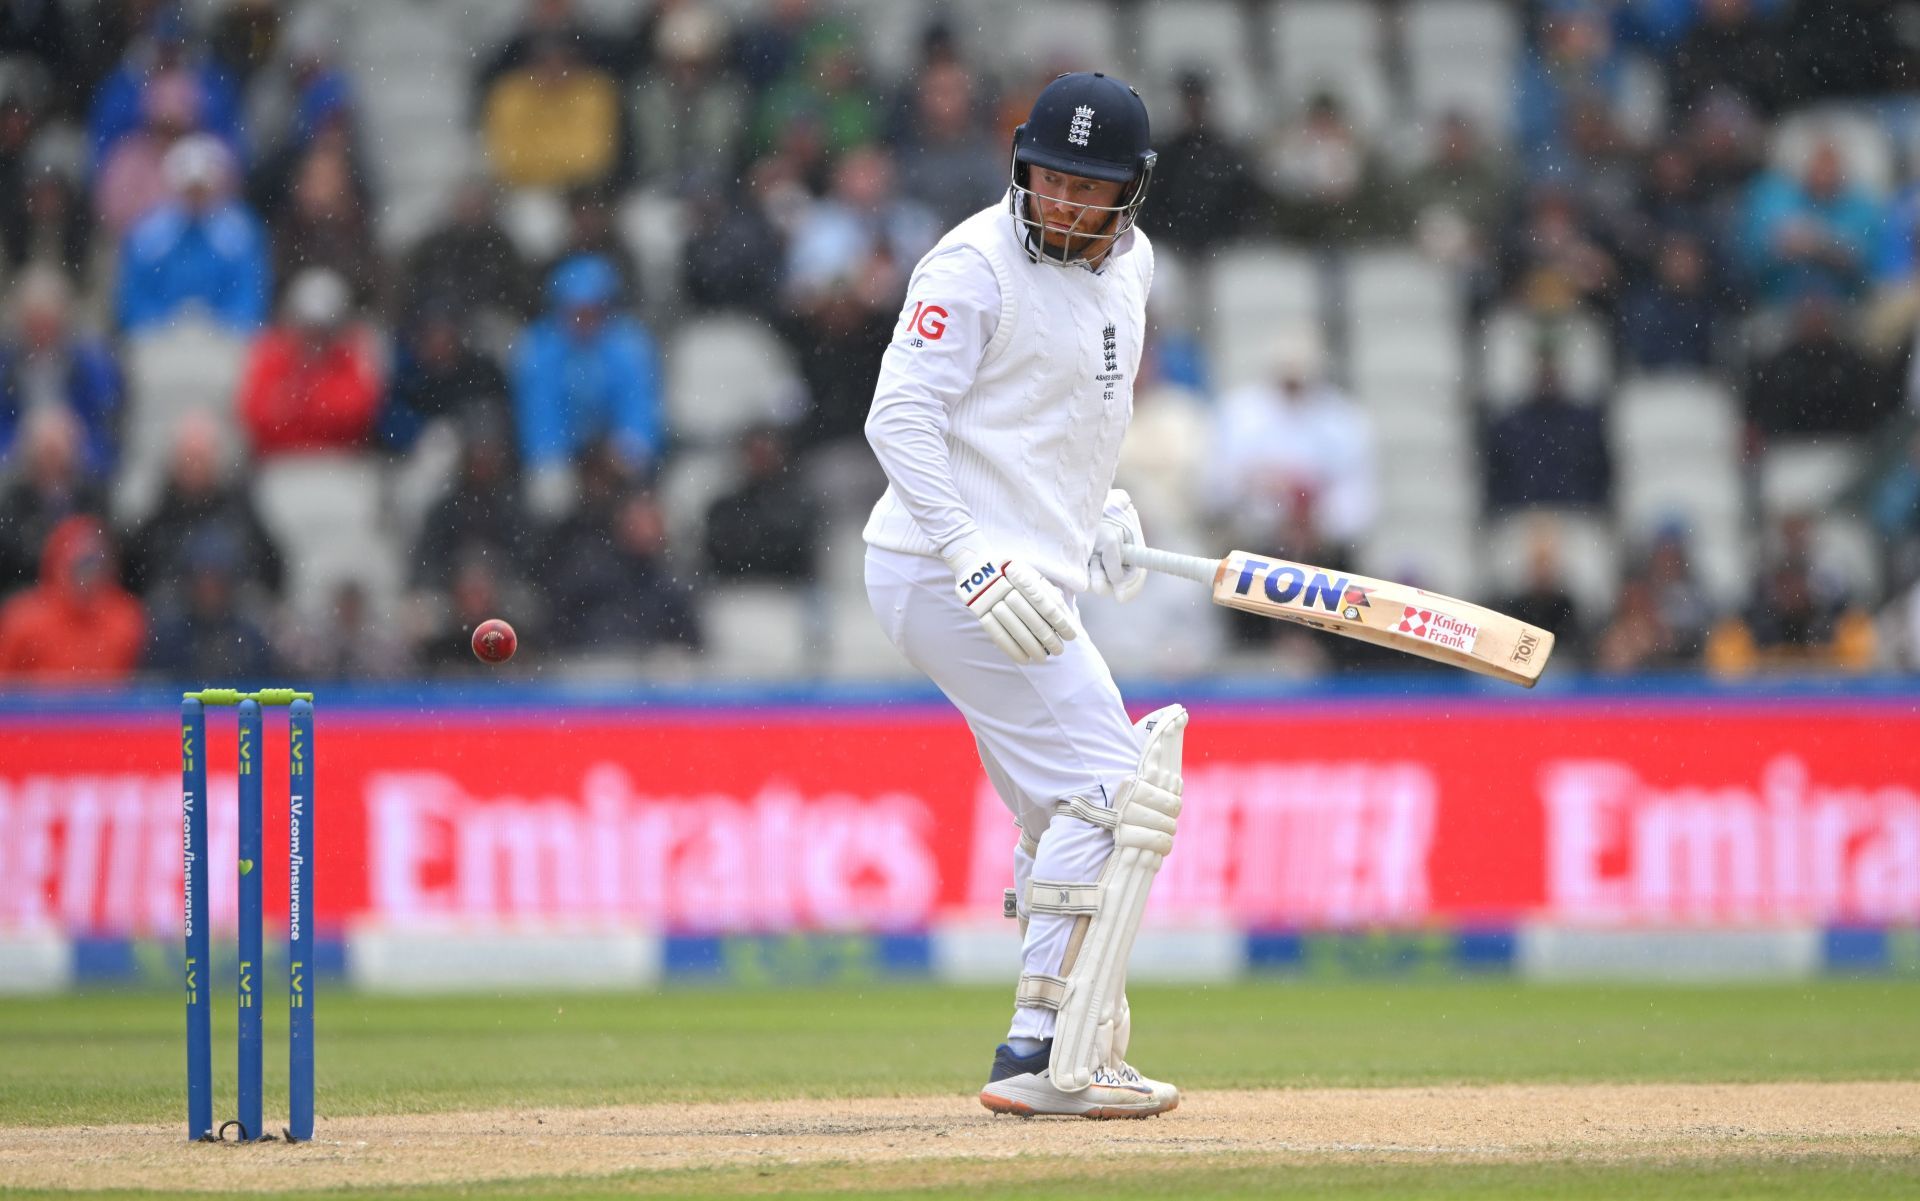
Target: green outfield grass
106,1057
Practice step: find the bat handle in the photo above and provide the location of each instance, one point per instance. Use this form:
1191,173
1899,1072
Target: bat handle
1191,567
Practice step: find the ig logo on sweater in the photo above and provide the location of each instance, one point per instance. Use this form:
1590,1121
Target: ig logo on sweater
927,323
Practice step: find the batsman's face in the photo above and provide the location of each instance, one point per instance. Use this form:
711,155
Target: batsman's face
1071,206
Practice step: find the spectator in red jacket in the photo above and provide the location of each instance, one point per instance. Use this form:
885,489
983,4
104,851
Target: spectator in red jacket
313,381
77,626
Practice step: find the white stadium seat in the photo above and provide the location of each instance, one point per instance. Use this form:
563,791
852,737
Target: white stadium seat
653,224
690,482
1400,285
1438,553
536,220
726,374
1253,290
1656,491
1210,36
1866,149
412,66
1677,458
1419,478
1424,360
1808,475
1430,426
190,366
758,631
1463,55
1666,416
1331,46
1850,551
1023,38
326,513
1590,560
1509,363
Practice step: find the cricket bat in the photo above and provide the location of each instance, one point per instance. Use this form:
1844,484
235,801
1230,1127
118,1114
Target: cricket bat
1386,614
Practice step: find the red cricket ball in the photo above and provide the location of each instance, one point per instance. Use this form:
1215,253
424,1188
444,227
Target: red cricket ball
494,641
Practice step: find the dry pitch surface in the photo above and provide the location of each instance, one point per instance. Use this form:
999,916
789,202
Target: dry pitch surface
1453,1124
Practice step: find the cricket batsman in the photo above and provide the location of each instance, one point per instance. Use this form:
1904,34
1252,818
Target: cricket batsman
998,417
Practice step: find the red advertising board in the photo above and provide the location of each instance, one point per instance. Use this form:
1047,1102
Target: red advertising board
1298,815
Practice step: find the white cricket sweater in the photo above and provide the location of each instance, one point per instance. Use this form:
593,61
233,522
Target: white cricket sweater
1003,398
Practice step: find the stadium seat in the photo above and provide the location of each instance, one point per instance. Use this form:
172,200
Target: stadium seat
326,513
1851,552
1709,509
1171,630
1589,557
892,33
858,649
1462,56
421,478
181,368
1674,416
726,374
1808,475
1420,361
536,220
1704,490
1399,285
1253,289
1436,422
1331,46
653,224
1418,474
759,632
1865,147
1509,349
1210,36
484,24
690,482
1174,301
1433,552
411,67
1071,35
1677,458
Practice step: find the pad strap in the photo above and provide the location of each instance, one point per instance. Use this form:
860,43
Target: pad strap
1088,812
1041,991
1048,896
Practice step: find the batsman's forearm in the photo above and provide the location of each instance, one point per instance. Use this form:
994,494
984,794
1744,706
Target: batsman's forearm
909,438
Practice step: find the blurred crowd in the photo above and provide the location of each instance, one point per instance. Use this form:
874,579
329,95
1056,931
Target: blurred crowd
207,168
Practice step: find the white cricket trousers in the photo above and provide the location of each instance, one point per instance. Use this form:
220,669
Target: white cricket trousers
1045,733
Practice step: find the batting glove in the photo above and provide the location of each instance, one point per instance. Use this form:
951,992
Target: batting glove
1025,615
1119,528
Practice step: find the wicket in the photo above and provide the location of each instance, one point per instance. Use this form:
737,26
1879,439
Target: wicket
300,868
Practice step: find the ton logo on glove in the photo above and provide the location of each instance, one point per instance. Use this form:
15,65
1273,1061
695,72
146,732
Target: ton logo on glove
978,579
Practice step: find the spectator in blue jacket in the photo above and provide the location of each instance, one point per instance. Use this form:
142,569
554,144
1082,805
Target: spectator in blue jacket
46,363
584,373
203,248
168,47
1814,235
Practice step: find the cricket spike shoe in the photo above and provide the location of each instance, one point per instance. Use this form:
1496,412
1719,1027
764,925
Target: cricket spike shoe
1022,1085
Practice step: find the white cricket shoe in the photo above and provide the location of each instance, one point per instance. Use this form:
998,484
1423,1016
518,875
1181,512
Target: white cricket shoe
1022,1085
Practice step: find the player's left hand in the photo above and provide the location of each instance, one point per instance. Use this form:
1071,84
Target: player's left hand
1119,527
